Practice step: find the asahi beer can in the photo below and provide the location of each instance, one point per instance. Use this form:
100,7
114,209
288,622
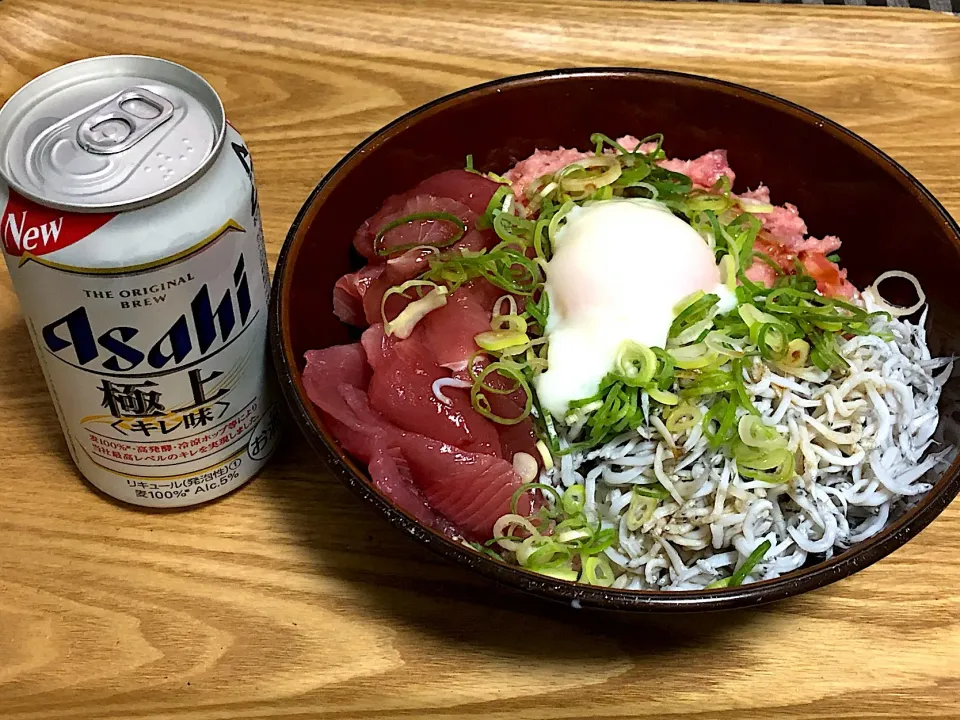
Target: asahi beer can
131,230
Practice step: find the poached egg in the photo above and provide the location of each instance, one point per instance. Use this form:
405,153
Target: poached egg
619,268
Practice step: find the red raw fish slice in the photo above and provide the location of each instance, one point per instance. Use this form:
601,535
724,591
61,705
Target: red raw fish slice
330,368
376,345
349,291
334,378
449,478
449,331
401,390
453,481
414,262
398,270
363,239
426,232
476,240
391,475
473,190
521,436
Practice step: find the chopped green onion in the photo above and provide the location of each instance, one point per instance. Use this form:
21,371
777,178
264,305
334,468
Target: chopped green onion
719,423
709,383
662,397
771,339
601,541
755,434
737,372
723,344
539,552
494,206
797,352
597,571
564,572
694,357
573,499
682,418
480,387
635,363
599,140
402,326
580,179
483,550
750,563
496,340
640,511
775,466
656,490
530,487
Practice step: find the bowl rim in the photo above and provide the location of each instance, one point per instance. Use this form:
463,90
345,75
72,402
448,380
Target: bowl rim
814,577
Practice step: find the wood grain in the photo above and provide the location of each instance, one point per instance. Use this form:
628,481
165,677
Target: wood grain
291,600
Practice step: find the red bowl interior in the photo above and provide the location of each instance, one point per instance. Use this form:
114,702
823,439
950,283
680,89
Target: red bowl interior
842,185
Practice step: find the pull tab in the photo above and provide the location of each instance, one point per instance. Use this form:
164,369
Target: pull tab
124,121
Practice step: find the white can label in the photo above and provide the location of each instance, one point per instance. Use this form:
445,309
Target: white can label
158,371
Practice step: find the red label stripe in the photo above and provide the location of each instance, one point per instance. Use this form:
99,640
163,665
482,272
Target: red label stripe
27,227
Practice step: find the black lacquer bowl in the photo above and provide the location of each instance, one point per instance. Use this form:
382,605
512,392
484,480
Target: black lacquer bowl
843,185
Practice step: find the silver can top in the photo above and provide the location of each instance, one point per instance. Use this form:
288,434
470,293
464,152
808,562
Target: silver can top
110,133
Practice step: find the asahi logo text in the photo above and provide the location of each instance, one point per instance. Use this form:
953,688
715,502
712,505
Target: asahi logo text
82,339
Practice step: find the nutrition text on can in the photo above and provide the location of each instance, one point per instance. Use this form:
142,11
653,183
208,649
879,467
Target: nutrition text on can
131,230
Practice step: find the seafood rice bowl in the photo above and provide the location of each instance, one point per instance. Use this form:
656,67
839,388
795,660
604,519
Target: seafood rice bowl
606,366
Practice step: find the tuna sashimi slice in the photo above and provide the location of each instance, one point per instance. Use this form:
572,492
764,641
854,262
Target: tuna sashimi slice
449,331
391,475
327,370
397,271
363,239
426,232
401,390
521,436
472,490
376,345
334,379
473,190
470,190
349,291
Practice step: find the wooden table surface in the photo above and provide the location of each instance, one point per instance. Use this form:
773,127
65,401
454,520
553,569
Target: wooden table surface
289,599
